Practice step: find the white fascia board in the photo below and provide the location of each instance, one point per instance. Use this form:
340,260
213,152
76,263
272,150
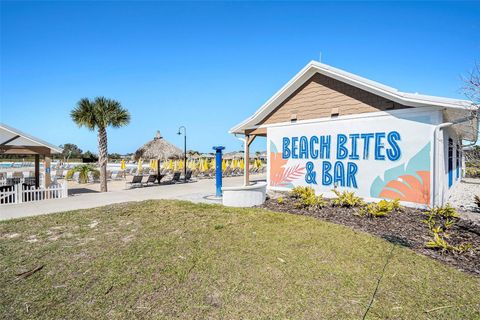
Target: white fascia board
34,140
407,99
392,113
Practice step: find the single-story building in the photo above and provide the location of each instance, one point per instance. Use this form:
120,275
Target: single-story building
328,128
16,142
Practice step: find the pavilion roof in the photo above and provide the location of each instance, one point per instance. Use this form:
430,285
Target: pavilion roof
14,141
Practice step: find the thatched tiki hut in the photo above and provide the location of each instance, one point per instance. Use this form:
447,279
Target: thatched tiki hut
159,149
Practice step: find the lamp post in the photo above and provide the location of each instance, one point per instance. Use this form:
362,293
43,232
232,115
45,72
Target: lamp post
184,151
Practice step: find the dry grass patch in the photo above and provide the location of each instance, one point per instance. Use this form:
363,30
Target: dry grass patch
172,259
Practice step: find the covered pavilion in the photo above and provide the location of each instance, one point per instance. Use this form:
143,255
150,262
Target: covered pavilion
16,142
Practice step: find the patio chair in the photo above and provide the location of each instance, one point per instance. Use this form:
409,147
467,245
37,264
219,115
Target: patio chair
136,181
76,176
17,174
30,181
119,175
227,172
59,173
151,179
187,177
92,178
176,177
14,180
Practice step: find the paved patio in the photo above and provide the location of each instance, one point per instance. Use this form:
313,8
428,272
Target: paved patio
87,196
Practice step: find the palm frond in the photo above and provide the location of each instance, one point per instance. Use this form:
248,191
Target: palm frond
111,113
84,114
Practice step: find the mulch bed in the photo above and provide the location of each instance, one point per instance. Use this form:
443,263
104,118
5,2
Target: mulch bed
404,228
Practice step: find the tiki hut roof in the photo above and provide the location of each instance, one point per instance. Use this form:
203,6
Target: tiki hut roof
237,155
158,148
233,155
207,155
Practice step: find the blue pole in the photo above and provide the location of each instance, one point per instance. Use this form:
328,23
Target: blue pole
218,170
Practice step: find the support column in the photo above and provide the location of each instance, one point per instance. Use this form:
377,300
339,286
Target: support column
158,171
47,171
246,173
37,171
246,170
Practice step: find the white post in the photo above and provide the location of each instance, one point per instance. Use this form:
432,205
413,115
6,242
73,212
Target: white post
15,194
18,193
246,156
65,190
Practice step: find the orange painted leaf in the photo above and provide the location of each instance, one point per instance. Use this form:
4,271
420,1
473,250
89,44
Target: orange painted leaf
409,188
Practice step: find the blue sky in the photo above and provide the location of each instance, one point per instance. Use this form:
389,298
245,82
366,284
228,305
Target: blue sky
210,65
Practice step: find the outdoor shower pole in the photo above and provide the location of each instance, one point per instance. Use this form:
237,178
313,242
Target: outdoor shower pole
218,170
184,151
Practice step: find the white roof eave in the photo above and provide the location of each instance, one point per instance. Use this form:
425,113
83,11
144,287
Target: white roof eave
408,99
34,140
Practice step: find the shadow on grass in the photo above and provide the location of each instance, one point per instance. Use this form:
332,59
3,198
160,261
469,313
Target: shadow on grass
397,240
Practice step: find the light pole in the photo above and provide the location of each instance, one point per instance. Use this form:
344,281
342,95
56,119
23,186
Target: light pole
184,151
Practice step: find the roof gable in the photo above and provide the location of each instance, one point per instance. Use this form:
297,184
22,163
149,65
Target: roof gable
314,67
321,97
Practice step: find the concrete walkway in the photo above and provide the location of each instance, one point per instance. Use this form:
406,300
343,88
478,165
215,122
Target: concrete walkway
194,191
463,198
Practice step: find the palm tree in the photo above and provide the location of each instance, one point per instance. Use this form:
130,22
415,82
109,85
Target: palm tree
99,114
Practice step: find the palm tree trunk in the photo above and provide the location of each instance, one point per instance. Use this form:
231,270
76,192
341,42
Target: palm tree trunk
102,158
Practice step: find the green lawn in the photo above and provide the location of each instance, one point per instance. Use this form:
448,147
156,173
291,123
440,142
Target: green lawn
171,259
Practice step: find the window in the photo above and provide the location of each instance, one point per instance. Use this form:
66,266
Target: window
450,162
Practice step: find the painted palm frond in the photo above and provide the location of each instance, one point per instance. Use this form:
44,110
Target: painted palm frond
409,181
285,176
409,188
280,175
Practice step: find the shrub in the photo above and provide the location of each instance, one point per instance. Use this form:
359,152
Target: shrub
307,198
472,172
69,174
302,192
476,199
472,164
280,200
381,209
347,199
439,242
439,220
445,212
84,169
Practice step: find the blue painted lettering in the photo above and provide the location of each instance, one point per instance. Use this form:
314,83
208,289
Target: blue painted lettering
342,151
379,146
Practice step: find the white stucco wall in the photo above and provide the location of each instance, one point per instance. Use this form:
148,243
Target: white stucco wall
374,177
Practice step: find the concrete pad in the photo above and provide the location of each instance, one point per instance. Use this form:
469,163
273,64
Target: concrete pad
194,191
